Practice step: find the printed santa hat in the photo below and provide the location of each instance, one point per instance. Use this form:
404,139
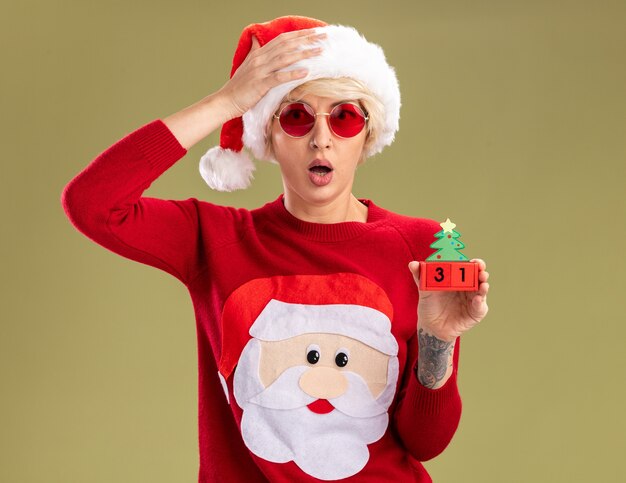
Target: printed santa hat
346,53
280,307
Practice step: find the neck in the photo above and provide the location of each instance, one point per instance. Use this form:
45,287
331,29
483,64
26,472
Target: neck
338,210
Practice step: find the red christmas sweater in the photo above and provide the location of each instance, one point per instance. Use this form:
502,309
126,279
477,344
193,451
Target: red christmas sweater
233,261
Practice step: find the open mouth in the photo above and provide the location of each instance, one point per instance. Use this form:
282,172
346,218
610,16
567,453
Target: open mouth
320,170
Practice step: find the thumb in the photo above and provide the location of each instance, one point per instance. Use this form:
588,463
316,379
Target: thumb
414,267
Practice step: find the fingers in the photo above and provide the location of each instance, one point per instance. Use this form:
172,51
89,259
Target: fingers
285,59
295,36
483,276
278,76
288,75
289,43
288,38
481,263
273,58
290,53
479,308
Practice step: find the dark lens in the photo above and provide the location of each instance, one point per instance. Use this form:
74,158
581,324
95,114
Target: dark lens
297,119
346,120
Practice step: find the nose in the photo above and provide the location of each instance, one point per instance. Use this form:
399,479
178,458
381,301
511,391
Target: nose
323,382
321,135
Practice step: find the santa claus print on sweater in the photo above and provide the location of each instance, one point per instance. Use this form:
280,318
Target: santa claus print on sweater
317,372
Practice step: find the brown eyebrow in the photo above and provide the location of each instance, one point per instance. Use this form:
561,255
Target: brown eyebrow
345,101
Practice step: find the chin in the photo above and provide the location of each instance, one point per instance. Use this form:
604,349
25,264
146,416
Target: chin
320,196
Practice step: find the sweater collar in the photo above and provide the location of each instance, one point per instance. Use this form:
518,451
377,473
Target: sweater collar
277,214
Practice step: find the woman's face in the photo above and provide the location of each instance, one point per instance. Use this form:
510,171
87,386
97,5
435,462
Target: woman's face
298,157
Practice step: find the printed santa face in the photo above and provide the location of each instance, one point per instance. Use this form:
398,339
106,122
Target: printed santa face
315,383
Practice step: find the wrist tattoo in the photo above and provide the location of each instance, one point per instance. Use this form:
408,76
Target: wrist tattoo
432,361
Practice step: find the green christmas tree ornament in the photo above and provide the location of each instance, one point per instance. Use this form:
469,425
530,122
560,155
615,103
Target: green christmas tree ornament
447,268
448,246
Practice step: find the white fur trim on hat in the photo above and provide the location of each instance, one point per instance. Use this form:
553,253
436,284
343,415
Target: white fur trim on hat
282,320
346,53
226,170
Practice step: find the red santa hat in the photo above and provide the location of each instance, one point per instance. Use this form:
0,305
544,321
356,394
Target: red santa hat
346,53
280,307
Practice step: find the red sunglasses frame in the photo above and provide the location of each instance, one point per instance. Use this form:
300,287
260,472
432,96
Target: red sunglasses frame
328,114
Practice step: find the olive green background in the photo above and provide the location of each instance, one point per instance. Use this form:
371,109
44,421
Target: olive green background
513,124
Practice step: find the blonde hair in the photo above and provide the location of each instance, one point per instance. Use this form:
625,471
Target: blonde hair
344,88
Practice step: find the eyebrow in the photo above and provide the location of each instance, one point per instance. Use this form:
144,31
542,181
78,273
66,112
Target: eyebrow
348,101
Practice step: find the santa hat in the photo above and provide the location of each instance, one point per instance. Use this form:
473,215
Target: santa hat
346,53
280,307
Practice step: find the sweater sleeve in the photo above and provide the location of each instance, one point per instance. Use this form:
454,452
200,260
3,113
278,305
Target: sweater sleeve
426,419
104,202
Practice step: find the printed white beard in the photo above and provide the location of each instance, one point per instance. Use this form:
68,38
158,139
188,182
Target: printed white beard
277,426
285,393
327,446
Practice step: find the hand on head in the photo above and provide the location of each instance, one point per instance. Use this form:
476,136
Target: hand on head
263,68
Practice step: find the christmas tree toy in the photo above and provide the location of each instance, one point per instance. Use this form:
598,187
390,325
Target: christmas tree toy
448,268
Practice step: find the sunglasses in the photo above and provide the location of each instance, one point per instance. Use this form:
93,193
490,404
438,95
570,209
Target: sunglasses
345,120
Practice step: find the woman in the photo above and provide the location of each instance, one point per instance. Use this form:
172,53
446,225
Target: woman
315,360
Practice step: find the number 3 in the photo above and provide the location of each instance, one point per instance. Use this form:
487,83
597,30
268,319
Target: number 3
439,276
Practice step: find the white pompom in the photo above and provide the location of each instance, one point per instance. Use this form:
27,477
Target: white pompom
226,170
